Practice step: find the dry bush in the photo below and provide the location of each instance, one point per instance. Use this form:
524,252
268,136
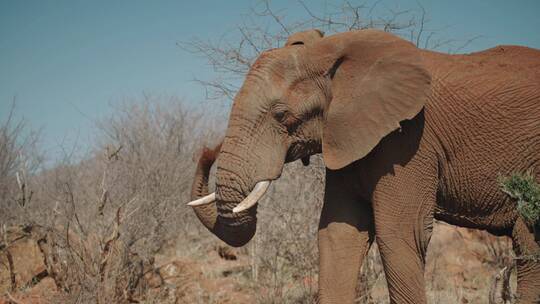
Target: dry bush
105,217
156,143
19,159
284,258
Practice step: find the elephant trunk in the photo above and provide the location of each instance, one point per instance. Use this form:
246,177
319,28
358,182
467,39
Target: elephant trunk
247,164
234,230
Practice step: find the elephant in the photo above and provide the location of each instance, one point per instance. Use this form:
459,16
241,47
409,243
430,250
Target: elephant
407,135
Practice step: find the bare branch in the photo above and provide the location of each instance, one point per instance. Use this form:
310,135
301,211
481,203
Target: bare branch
422,22
12,299
232,60
466,43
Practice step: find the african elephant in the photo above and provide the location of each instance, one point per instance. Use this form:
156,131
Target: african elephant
407,136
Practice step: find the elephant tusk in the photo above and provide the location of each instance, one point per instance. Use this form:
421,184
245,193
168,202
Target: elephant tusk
253,197
210,198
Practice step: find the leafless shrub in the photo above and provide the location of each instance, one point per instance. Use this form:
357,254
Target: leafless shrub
154,165
19,159
105,217
284,251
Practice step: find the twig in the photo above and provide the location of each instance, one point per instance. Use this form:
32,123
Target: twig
12,299
500,292
114,154
421,30
269,12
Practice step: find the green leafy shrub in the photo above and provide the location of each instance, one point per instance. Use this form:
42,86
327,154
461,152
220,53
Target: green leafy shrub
524,189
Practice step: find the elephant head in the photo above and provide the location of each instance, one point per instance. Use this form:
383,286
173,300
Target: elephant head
339,95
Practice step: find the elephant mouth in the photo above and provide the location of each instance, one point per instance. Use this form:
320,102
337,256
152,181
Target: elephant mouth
303,150
251,199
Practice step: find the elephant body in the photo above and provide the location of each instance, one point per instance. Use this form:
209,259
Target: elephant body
442,164
407,135
485,114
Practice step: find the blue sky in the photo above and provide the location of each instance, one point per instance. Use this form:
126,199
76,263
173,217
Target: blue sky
67,61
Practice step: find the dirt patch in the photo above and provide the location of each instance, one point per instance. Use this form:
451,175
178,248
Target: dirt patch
209,279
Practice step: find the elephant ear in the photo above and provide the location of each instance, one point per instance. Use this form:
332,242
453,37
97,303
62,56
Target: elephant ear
306,37
377,81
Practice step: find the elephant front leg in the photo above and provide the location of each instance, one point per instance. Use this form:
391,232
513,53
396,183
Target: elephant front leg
345,235
403,214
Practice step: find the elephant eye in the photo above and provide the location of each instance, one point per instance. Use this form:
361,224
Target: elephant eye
280,112
281,116
285,117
